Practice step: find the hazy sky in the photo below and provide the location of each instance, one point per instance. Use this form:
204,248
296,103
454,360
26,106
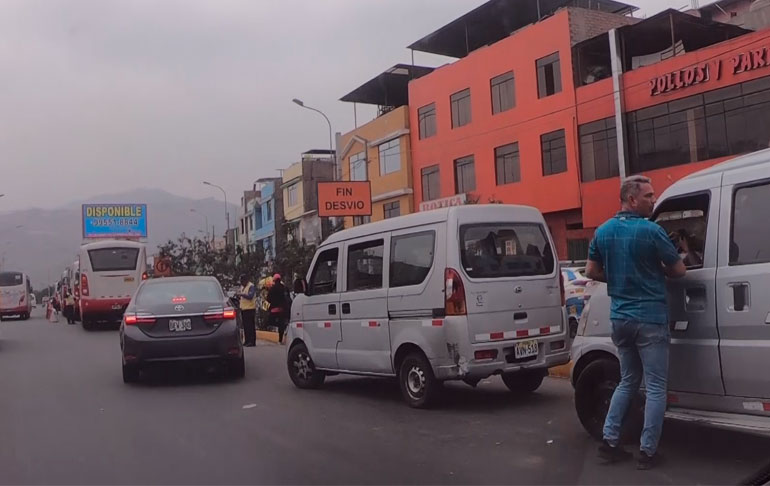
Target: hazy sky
101,96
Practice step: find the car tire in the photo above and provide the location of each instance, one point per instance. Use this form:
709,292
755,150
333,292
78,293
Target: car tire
593,391
418,384
302,370
237,368
130,374
87,325
524,381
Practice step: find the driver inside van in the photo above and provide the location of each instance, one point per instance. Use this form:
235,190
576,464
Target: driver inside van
687,246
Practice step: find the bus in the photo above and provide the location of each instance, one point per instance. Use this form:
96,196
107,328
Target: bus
15,291
110,272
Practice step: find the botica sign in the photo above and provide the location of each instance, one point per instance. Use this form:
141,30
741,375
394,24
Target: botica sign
708,71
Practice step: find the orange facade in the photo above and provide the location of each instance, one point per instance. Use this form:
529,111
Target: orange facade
572,208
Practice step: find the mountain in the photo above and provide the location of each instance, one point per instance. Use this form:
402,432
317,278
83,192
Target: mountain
43,242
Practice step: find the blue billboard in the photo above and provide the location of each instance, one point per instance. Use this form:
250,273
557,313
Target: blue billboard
114,221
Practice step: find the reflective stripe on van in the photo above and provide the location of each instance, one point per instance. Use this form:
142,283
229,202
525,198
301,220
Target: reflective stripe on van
520,333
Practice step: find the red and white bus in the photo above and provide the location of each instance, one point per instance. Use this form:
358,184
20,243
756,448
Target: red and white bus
15,291
110,272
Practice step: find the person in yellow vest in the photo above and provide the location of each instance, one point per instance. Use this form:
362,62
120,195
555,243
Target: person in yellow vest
69,308
248,305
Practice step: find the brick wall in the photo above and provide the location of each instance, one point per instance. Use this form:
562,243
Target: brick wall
585,24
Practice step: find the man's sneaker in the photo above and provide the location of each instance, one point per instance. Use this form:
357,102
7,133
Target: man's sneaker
648,462
611,455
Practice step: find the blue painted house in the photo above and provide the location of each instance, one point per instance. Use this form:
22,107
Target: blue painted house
267,216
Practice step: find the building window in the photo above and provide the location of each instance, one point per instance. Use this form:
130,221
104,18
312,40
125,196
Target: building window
431,183
577,249
293,194
507,164
390,156
392,209
358,167
426,117
548,75
465,177
503,92
461,108
719,123
359,220
554,152
598,150
269,211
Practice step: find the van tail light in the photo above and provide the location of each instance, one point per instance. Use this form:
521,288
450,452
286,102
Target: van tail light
84,284
134,319
485,354
454,292
561,289
144,275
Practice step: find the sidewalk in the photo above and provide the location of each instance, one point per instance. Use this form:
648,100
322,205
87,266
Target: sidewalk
269,336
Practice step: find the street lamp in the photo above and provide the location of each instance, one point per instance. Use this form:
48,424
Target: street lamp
227,209
301,104
206,220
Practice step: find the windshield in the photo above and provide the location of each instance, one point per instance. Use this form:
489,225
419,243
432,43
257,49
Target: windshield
113,259
186,291
11,279
505,250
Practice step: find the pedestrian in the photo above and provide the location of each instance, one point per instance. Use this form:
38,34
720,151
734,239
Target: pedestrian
69,308
278,299
248,305
634,256
56,308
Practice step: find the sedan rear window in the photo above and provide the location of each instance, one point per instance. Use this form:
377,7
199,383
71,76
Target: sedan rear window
113,259
179,292
505,250
10,279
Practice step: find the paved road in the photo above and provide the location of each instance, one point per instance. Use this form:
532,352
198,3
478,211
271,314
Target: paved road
67,418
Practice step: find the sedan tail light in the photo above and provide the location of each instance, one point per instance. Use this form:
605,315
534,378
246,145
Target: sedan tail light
220,314
134,319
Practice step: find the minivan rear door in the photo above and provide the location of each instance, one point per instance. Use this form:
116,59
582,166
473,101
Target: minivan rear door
511,283
743,285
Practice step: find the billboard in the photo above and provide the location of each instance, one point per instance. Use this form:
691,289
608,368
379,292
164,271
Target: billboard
114,221
348,198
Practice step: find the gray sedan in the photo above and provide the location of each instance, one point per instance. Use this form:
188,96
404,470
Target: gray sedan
180,319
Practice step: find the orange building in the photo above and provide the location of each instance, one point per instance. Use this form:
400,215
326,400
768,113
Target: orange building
528,115
379,151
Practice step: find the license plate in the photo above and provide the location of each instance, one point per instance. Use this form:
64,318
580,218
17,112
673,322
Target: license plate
128,279
179,325
116,306
525,349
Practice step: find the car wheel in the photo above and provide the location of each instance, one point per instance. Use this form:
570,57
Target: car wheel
524,381
419,386
87,325
593,392
130,374
237,368
302,370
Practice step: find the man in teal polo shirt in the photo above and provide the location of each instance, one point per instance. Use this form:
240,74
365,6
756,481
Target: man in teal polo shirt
634,256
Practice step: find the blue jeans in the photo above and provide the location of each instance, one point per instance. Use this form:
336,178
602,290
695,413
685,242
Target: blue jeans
643,350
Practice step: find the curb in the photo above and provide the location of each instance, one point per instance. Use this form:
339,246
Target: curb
268,336
561,371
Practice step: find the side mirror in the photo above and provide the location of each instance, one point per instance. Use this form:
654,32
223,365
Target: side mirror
300,286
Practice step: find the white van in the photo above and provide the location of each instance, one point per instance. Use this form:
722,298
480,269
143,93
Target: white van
458,293
110,273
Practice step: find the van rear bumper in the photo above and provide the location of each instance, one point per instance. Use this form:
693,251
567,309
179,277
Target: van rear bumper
107,309
473,370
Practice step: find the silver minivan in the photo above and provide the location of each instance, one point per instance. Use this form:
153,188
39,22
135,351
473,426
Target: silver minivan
457,293
719,312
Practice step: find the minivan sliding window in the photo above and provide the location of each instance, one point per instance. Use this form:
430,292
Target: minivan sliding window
411,258
113,259
365,265
505,250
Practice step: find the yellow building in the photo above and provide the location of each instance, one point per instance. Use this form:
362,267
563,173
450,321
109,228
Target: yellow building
300,195
379,151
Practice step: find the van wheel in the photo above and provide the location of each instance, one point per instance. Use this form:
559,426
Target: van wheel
593,392
302,371
524,381
419,386
130,374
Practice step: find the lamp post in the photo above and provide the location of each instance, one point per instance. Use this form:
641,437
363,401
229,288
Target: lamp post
227,208
206,222
300,103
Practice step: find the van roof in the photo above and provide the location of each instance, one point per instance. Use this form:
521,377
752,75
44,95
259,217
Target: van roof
749,160
424,218
111,244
